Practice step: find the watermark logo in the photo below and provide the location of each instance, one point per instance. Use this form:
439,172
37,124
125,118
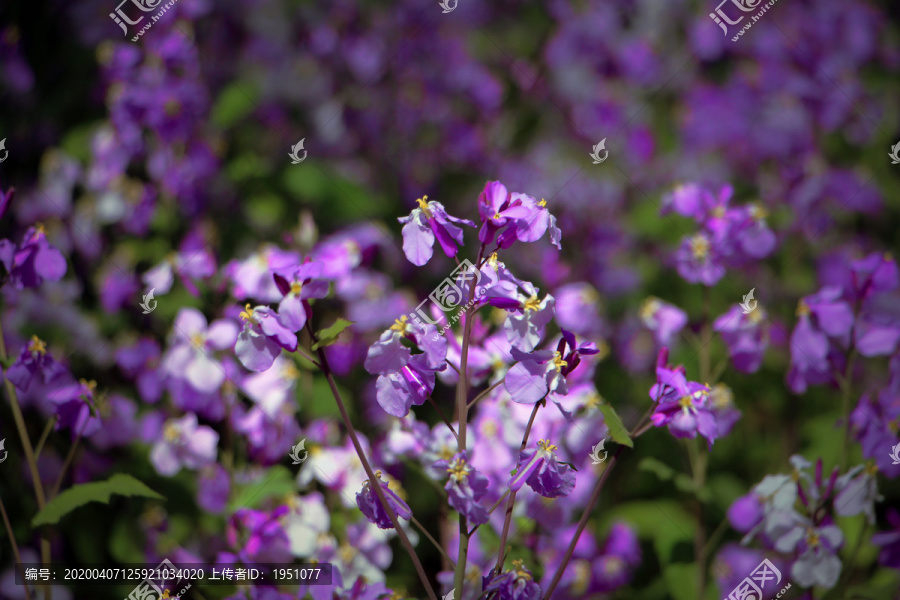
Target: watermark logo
450,294
122,20
895,454
749,304
723,20
296,159
595,154
450,596
148,298
448,7
895,151
3,449
295,452
595,453
6,152
751,587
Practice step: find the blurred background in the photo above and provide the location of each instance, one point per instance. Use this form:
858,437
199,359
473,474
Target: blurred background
136,154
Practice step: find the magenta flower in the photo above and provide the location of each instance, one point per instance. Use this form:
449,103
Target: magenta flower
262,338
368,502
824,324
259,536
699,260
682,405
465,488
303,285
33,261
425,223
194,260
5,199
516,216
184,444
75,409
540,469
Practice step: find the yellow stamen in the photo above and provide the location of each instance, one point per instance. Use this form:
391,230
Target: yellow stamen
423,204
650,307
802,308
812,538
532,303
492,261
197,339
718,212
39,229
758,212
722,396
497,215
700,246
37,345
400,325
542,203
446,453
558,361
458,469
296,288
686,402
546,446
171,433
290,371
521,573
247,314
90,385
871,469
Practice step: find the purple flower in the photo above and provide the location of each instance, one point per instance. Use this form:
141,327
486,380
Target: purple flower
721,400
184,444
663,319
539,468
34,363
259,536
33,261
517,584
746,335
542,372
820,317
875,423
857,492
465,488
294,308
681,405
194,260
262,338
405,379
75,409
213,488
5,199
516,216
425,223
816,549
190,355
368,502
889,541
699,260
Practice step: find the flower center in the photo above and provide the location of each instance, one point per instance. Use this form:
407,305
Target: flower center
649,309
492,261
546,446
296,288
871,469
90,386
532,303
686,402
37,345
446,453
458,469
423,204
718,212
400,325
722,396
290,372
802,308
197,339
521,573
542,203
558,361
700,246
758,212
171,433
247,314
812,538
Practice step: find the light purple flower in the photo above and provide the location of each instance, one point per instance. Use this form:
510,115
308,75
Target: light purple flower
663,319
517,584
465,488
681,405
184,444
262,338
32,261
193,343
302,285
371,506
540,469
817,563
425,223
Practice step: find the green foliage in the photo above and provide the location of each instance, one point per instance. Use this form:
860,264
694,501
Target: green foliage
234,103
329,335
97,491
276,482
616,429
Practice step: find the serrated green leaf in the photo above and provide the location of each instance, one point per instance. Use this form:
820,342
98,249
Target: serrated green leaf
329,335
616,429
97,491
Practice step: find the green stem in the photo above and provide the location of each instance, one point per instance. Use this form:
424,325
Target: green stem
47,429
376,484
29,457
15,547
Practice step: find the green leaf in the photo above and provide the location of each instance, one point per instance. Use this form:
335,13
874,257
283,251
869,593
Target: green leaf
329,335
616,429
234,103
682,580
97,491
277,482
658,468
